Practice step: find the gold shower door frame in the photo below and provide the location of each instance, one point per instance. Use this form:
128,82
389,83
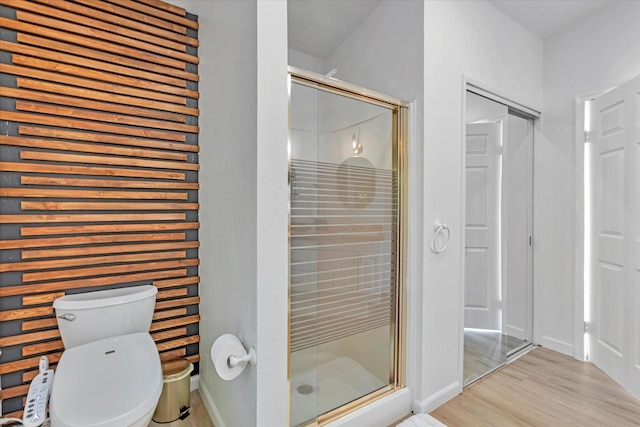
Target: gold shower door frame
399,110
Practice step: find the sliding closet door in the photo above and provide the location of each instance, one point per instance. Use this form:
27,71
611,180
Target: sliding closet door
498,227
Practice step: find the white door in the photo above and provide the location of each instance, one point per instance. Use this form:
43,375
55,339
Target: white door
483,299
615,234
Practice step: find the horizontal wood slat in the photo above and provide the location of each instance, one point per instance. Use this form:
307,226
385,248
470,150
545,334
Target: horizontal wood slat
7,341
182,321
24,313
104,138
36,24
106,183
165,6
110,40
100,128
181,342
95,250
40,299
40,119
183,281
103,117
31,349
94,105
87,240
88,22
109,228
91,64
174,110
116,10
106,206
96,281
177,302
152,11
194,358
172,293
90,148
30,325
96,79
51,322
120,21
8,367
90,194
172,354
168,334
106,160
93,54
101,30
84,170
101,271
166,314
8,393
84,261
40,218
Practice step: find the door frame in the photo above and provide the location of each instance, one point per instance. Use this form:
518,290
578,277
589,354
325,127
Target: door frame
476,86
582,295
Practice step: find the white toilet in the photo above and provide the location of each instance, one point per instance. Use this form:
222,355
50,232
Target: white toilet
110,373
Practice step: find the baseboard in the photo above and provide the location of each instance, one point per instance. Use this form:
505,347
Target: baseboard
214,414
436,399
194,382
556,345
519,333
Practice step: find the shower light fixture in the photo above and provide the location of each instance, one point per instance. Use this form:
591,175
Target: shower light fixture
357,147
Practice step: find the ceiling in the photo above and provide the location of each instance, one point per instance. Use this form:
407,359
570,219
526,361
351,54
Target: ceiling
544,18
319,27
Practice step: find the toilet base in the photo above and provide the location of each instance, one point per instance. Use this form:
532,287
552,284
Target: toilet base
145,420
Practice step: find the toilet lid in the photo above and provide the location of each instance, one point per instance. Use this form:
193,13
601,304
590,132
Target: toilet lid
110,382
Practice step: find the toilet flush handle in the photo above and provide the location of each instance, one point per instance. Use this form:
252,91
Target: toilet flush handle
70,317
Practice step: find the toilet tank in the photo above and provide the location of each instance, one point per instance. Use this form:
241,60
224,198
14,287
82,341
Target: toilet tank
92,316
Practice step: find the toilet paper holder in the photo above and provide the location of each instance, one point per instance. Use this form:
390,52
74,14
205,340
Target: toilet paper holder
250,357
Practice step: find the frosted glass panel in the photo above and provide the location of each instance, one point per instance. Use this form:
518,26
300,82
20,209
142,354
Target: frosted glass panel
343,215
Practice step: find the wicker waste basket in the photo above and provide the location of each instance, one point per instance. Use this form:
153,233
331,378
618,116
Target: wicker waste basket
175,400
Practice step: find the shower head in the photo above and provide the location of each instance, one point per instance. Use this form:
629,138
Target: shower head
332,72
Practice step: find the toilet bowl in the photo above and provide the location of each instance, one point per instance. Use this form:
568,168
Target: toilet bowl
114,382
110,373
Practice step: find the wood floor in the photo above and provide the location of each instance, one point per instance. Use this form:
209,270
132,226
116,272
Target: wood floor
198,418
543,388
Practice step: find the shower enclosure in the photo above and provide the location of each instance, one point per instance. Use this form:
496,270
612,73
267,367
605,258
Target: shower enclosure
345,287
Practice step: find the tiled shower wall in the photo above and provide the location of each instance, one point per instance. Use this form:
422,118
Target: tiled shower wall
99,170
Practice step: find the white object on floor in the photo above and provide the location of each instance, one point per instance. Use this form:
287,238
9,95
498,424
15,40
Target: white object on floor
421,420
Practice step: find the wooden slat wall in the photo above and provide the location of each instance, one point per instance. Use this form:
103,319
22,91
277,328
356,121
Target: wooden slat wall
99,164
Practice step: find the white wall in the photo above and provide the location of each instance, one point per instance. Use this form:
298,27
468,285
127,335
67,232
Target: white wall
272,217
306,62
243,193
462,38
598,53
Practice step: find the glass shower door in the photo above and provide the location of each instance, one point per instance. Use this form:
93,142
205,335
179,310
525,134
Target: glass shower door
343,250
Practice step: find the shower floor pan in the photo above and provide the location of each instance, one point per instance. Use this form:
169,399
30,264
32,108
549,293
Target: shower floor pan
329,386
